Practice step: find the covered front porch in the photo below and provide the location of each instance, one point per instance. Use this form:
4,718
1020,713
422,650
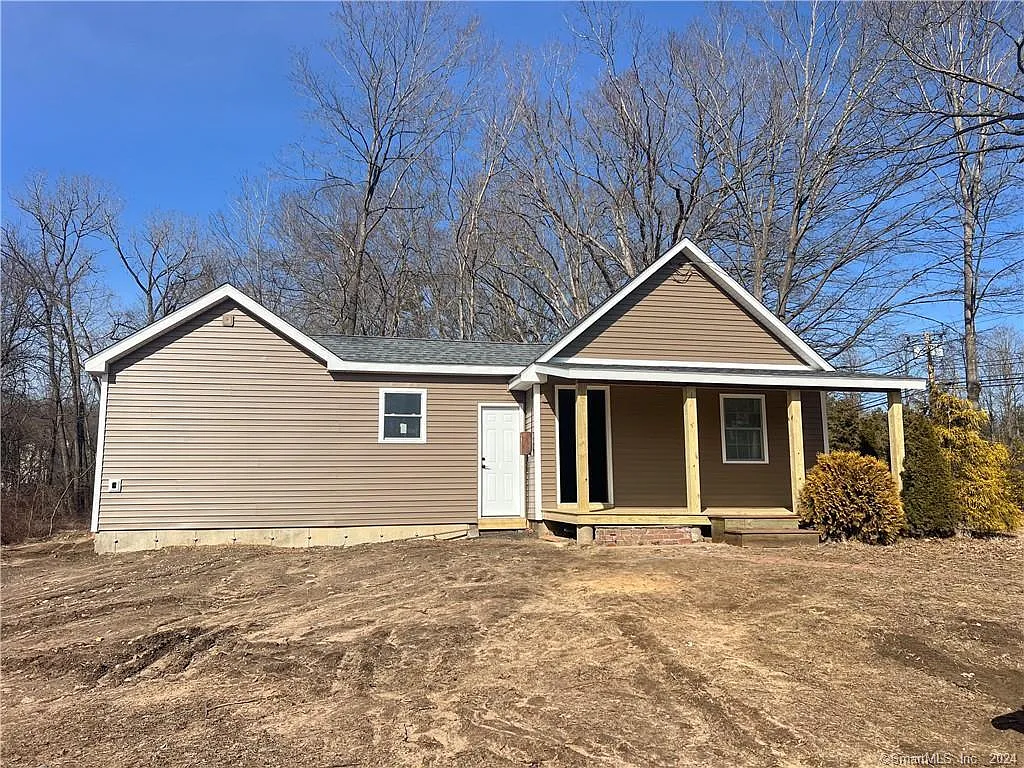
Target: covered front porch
725,454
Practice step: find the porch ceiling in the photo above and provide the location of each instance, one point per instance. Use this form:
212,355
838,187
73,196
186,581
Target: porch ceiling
711,376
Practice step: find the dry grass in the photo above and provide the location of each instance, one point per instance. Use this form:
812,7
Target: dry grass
510,653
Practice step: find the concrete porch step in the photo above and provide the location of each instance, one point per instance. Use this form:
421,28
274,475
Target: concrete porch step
769,537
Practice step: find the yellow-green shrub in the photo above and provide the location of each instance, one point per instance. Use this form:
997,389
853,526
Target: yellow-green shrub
849,496
982,470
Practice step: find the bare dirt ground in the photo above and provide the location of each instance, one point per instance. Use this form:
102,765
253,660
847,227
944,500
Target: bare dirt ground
511,652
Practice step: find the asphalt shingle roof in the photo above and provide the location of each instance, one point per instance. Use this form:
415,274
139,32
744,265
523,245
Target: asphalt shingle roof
376,349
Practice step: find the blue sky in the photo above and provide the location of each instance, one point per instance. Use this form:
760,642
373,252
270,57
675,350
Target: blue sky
172,103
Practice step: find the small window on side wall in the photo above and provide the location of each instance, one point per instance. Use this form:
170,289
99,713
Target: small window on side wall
744,436
402,417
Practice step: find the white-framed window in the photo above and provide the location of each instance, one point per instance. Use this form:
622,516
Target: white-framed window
744,434
402,416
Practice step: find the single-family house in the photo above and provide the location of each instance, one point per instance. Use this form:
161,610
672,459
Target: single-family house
680,401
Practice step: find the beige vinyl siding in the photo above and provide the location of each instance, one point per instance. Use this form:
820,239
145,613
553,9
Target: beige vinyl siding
743,485
680,315
218,427
647,446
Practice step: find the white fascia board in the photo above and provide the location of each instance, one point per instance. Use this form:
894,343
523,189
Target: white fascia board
426,368
98,363
827,380
679,364
526,378
719,277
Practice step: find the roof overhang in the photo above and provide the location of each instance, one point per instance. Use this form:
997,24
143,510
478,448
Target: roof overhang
538,373
716,275
99,363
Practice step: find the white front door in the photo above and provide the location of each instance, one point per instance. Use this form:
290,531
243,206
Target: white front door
500,481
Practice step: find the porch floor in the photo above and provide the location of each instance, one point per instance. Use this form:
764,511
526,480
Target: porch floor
616,515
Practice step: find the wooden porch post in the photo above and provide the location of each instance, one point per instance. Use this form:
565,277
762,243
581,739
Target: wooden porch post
795,420
582,452
692,456
897,450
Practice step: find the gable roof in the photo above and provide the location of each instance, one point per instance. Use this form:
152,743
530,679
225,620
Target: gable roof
98,363
353,354
718,277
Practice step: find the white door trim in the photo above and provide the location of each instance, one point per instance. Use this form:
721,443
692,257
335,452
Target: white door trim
520,483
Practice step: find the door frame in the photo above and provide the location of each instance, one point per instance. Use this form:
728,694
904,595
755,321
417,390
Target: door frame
520,464
608,437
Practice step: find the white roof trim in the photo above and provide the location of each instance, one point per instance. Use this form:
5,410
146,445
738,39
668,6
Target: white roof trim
679,364
98,363
826,380
452,369
718,276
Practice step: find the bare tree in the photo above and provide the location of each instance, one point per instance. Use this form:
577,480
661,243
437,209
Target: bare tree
1002,365
960,87
244,237
396,81
821,199
50,250
164,261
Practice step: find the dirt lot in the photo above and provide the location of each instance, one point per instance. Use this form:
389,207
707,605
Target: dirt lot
504,652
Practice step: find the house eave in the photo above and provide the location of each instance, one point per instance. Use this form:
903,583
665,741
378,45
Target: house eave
824,380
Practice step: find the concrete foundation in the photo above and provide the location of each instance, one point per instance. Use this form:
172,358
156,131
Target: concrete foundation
111,542
584,535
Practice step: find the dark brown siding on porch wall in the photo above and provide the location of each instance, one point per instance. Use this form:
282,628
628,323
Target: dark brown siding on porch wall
743,485
647,446
680,315
814,434
218,427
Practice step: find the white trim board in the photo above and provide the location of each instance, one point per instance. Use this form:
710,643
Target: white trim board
825,379
101,428
99,362
427,368
719,277
679,364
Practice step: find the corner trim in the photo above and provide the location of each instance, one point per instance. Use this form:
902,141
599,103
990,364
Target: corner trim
101,429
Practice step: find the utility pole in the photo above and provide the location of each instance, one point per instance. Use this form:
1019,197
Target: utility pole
931,363
932,350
